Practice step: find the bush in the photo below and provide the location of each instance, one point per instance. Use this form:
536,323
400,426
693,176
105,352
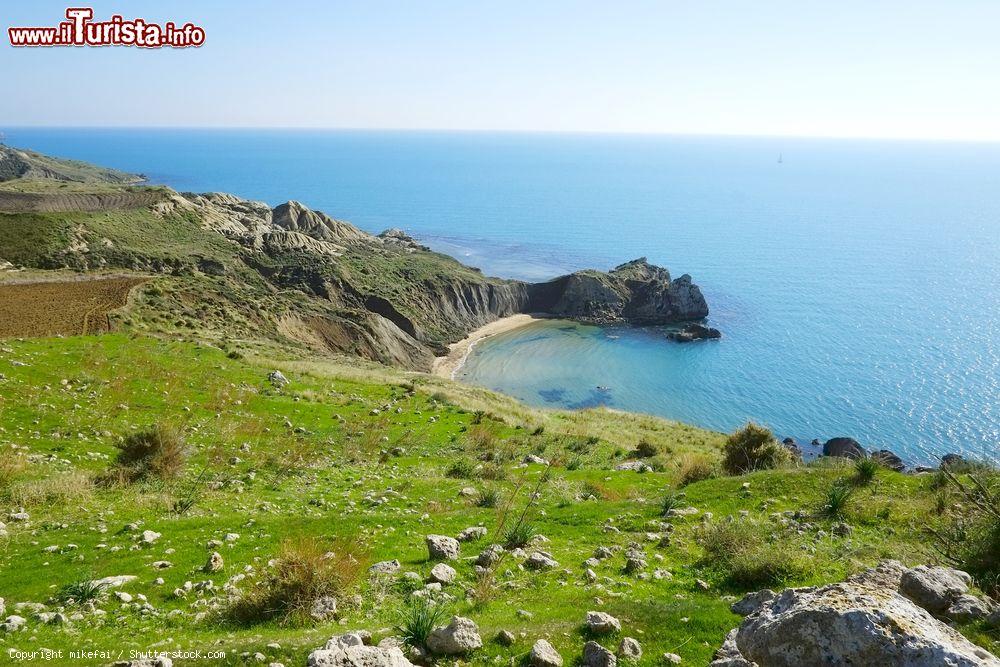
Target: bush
970,540
835,502
753,447
462,469
419,618
695,468
865,470
155,453
646,450
749,557
304,570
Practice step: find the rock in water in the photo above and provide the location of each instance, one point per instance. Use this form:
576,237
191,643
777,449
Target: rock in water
459,637
844,448
862,621
693,332
889,460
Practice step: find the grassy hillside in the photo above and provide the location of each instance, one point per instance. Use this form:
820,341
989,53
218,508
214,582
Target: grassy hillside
368,461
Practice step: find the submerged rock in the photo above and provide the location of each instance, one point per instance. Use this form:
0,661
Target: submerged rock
693,332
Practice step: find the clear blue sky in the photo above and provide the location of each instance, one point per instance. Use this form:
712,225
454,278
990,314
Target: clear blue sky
873,68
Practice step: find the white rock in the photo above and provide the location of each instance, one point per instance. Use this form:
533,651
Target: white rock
544,655
459,637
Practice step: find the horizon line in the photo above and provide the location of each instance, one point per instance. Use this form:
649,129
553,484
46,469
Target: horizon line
416,130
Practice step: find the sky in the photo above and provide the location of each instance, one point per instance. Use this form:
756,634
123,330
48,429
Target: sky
926,69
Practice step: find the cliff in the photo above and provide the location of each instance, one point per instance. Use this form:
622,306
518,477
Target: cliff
244,268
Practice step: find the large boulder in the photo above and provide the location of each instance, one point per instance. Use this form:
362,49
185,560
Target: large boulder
862,621
602,623
889,459
459,637
595,655
934,588
349,650
844,448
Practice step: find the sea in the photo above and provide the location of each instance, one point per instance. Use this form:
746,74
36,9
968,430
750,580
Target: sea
856,282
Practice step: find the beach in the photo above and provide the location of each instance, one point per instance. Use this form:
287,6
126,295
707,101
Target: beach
449,364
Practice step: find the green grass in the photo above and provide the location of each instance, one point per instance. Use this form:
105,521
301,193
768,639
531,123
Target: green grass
307,462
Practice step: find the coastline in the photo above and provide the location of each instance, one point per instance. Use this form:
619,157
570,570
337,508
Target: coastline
448,365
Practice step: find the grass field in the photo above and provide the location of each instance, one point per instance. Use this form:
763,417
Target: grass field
369,460
61,308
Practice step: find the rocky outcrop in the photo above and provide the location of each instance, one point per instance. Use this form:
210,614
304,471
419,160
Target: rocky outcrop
865,620
350,650
693,332
844,448
637,293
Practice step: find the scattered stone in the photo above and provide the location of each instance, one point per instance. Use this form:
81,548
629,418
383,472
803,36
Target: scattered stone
634,466
629,649
490,556
531,458
277,378
350,650
323,608
595,655
506,638
442,547
672,658
459,637
544,655
214,562
149,536
13,623
969,608
540,560
385,567
601,623
472,533
443,574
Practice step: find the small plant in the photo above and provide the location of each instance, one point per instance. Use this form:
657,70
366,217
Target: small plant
304,571
488,498
671,501
865,470
419,618
156,453
80,592
538,430
574,463
462,469
753,447
519,535
836,500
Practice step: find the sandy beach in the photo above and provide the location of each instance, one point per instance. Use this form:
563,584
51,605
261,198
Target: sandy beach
449,364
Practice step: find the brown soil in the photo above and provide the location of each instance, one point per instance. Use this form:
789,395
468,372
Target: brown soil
62,308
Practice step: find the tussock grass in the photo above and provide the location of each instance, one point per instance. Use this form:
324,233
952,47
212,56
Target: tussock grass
305,569
155,453
749,556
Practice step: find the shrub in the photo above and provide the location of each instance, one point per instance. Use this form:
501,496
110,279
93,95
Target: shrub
865,470
970,540
480,437
304,570
462,469
574,463
749,557
519,535
753,447
835,500
646,450
419,618
154,453
695,468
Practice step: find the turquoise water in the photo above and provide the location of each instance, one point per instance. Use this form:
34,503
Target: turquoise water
856,282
